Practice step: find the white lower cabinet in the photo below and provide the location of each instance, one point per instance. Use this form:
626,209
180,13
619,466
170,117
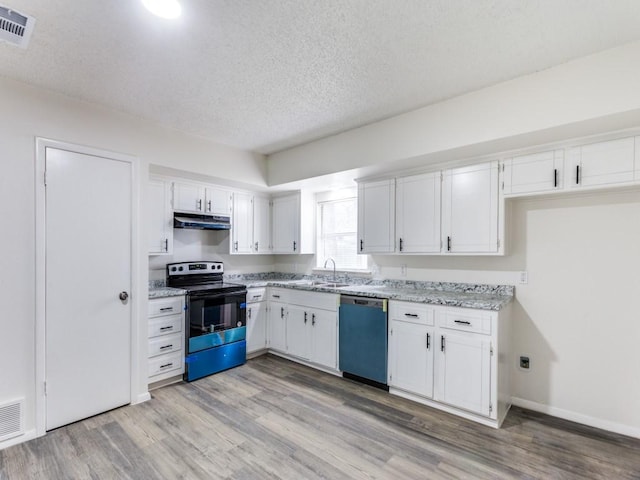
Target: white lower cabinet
166,338
277,315
411,346
256,320
454,359
464,371
304,326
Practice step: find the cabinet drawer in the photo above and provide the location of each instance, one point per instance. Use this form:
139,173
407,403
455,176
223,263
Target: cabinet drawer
165,344
279,295
165,363
165,306
466,320
411,312
165,325
256,295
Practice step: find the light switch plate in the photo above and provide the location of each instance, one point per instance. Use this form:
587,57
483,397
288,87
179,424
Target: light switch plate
524,278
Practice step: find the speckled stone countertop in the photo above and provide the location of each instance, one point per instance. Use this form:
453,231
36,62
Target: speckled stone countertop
157,289
483,297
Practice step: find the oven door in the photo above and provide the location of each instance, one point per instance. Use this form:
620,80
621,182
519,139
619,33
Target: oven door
215,319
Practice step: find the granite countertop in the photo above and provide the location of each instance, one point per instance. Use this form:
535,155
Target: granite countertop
163,292
483,297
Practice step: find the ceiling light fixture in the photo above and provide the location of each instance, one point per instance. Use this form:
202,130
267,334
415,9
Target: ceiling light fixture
164,8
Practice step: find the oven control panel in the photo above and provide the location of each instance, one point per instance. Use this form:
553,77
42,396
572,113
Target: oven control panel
194,268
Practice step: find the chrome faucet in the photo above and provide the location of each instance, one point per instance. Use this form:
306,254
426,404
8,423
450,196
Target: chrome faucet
334,268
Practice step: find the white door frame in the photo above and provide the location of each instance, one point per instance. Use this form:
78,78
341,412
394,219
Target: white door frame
40,288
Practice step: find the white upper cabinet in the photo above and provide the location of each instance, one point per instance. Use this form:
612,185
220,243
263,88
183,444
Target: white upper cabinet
261,224
188,197
535,173
196,198
470,200
293,223
160,217
418,213
242,225
602,163
286,221
376,216
217,201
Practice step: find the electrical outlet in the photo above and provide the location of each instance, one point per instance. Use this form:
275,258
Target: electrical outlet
403,270
525,364
524,278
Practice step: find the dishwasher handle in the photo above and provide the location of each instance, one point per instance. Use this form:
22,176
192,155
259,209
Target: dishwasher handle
362,301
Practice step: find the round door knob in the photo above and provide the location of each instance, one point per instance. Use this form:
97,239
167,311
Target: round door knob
123,296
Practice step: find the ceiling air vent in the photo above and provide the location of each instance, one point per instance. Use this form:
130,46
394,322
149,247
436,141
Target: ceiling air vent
15,28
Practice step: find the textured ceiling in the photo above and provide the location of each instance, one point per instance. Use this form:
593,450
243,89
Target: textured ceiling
265,75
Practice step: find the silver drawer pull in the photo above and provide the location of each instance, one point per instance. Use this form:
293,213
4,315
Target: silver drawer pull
166,365
166,309
275,296
258,296
462,322
170,327
166,346
412,315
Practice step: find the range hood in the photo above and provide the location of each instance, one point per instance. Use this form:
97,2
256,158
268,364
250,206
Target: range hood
201,222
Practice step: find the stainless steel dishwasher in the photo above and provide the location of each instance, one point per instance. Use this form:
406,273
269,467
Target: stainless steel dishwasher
363,339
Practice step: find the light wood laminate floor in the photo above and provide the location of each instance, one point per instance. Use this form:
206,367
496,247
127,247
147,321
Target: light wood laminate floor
272,418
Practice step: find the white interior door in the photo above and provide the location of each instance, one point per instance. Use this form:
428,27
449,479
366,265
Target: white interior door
88,264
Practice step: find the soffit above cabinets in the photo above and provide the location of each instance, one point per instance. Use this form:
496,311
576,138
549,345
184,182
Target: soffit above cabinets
264,76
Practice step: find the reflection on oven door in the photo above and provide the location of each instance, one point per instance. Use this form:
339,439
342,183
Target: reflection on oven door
215,339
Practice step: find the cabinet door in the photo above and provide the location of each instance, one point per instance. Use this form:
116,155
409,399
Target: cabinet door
464,371
411,357
256,326
160,218
286,224
242,225
376,217
261,225
418,213
535,173
188,197
278,326
324,328
218,201
602,163
298,331
470,209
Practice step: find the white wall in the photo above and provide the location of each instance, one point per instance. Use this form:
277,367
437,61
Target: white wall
589,95
29,112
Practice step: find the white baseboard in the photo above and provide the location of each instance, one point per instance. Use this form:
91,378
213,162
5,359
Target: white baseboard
577,417
143,397
26,436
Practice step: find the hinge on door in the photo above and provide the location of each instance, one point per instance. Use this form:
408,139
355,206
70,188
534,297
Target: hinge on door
45,388
45,178
491,350
491,407
503,185
391,331
390,377
503,167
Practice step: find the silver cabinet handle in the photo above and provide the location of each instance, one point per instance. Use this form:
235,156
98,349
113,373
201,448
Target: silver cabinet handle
166,309
462,322
428,342
305,317
313,319
281,312
166,365
164,347
249,313
209,206
170,327
166,244
199,203
412,315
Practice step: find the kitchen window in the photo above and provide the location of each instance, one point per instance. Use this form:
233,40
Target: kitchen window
337,232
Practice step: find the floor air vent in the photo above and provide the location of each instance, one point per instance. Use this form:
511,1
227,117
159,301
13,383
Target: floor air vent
15,28
11,423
